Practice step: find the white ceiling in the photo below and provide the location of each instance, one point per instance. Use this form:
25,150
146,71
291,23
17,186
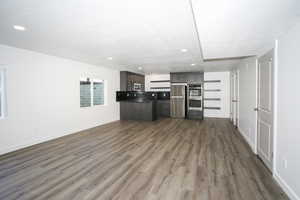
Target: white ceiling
233,28
148,34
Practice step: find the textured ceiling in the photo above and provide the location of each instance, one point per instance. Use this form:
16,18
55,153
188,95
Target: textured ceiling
148,34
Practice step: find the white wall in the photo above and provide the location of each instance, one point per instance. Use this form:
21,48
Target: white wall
287,109
43,98
288,112
157,77
247,100
224,94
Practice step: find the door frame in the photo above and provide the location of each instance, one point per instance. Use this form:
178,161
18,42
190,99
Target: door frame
256,107
237,104
234,96
274,104
231,95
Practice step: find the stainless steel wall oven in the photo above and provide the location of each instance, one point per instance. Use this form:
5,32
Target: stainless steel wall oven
195,101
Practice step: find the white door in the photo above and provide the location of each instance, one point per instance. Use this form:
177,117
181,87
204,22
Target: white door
265,109
234,98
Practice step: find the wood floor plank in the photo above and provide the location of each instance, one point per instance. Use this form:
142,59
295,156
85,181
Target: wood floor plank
168,159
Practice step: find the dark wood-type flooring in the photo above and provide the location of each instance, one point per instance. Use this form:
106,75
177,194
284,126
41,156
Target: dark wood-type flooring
168,159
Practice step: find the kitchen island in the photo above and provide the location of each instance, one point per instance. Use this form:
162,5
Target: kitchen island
147,106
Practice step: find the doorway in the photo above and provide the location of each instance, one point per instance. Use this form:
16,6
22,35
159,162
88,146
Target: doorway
265,109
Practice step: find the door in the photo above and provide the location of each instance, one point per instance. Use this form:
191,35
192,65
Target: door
265,109
234,98
178,101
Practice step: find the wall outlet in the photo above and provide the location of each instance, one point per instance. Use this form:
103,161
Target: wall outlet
285,163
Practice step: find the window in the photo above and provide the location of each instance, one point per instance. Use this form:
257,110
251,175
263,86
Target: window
91,92
85,93
2,94
98,93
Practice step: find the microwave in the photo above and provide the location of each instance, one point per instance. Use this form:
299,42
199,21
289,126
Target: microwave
195,90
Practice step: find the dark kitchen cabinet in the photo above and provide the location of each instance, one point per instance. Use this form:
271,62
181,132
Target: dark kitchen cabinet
187,77
129,79
130,110
163,108
195,77
178,77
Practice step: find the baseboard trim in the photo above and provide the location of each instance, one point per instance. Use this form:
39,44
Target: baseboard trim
247,139
40,140
286,188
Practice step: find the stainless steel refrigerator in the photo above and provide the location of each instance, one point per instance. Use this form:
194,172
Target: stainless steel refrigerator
178,100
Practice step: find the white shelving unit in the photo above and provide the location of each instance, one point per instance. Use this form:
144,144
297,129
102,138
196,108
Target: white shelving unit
216,94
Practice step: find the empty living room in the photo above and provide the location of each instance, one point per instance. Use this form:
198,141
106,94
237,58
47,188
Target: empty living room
149,100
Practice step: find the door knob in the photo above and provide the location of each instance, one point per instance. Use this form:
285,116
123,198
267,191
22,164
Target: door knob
255,109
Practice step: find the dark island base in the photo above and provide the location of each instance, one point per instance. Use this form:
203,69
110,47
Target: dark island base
146,106
131,110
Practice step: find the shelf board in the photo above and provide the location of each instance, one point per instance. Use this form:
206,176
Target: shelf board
212,99
212,108
212,81
212,90
160,81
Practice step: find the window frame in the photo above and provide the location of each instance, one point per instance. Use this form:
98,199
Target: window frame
92,91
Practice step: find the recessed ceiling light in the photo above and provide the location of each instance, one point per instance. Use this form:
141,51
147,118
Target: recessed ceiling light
184,50
140,68
109,58
19,28
193,64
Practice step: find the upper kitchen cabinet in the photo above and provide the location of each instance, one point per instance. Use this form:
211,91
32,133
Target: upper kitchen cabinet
131,81
178,77
187,77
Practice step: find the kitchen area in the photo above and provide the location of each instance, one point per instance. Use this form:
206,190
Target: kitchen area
176,95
